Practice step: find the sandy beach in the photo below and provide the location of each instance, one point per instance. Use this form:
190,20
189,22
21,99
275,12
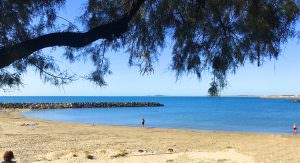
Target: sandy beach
55,142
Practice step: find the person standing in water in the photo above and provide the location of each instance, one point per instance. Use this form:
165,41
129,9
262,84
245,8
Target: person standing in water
295,128
143,122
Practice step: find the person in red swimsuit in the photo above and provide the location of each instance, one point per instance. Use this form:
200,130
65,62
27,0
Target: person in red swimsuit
295,128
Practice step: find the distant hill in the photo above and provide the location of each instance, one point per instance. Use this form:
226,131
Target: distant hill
158,95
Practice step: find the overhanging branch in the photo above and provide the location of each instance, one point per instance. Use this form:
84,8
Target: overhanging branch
72,39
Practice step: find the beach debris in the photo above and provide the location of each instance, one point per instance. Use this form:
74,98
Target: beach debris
223,160
88,156
121,154
140,150
29,124
170,150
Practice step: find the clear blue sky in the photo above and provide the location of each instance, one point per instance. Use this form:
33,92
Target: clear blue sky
274,77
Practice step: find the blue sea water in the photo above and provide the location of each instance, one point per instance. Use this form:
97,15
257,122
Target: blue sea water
238,114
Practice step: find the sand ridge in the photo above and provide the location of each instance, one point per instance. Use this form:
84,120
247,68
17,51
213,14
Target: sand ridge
70,142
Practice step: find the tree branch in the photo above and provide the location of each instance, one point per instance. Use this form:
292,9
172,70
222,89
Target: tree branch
72,39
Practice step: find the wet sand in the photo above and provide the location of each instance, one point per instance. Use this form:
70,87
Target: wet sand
70,142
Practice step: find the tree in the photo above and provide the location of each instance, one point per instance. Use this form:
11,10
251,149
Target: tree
215,35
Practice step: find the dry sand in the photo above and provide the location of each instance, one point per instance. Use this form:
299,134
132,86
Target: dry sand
56,142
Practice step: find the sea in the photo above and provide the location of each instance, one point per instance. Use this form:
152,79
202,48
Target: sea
232,114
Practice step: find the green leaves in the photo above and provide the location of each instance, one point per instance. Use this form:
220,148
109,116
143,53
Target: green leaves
220,35
215,35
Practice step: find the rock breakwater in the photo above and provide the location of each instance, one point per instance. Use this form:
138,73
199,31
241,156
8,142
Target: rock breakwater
64,105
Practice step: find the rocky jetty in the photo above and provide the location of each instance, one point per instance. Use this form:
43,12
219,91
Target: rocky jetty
64,105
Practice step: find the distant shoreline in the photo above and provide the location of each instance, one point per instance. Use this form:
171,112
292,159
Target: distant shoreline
281,96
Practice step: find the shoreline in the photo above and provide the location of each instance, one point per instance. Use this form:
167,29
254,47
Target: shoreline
52,141
163,128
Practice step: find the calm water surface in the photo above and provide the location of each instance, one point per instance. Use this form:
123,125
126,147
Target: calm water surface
241,114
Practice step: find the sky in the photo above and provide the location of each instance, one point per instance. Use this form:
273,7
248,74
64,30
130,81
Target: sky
274,77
